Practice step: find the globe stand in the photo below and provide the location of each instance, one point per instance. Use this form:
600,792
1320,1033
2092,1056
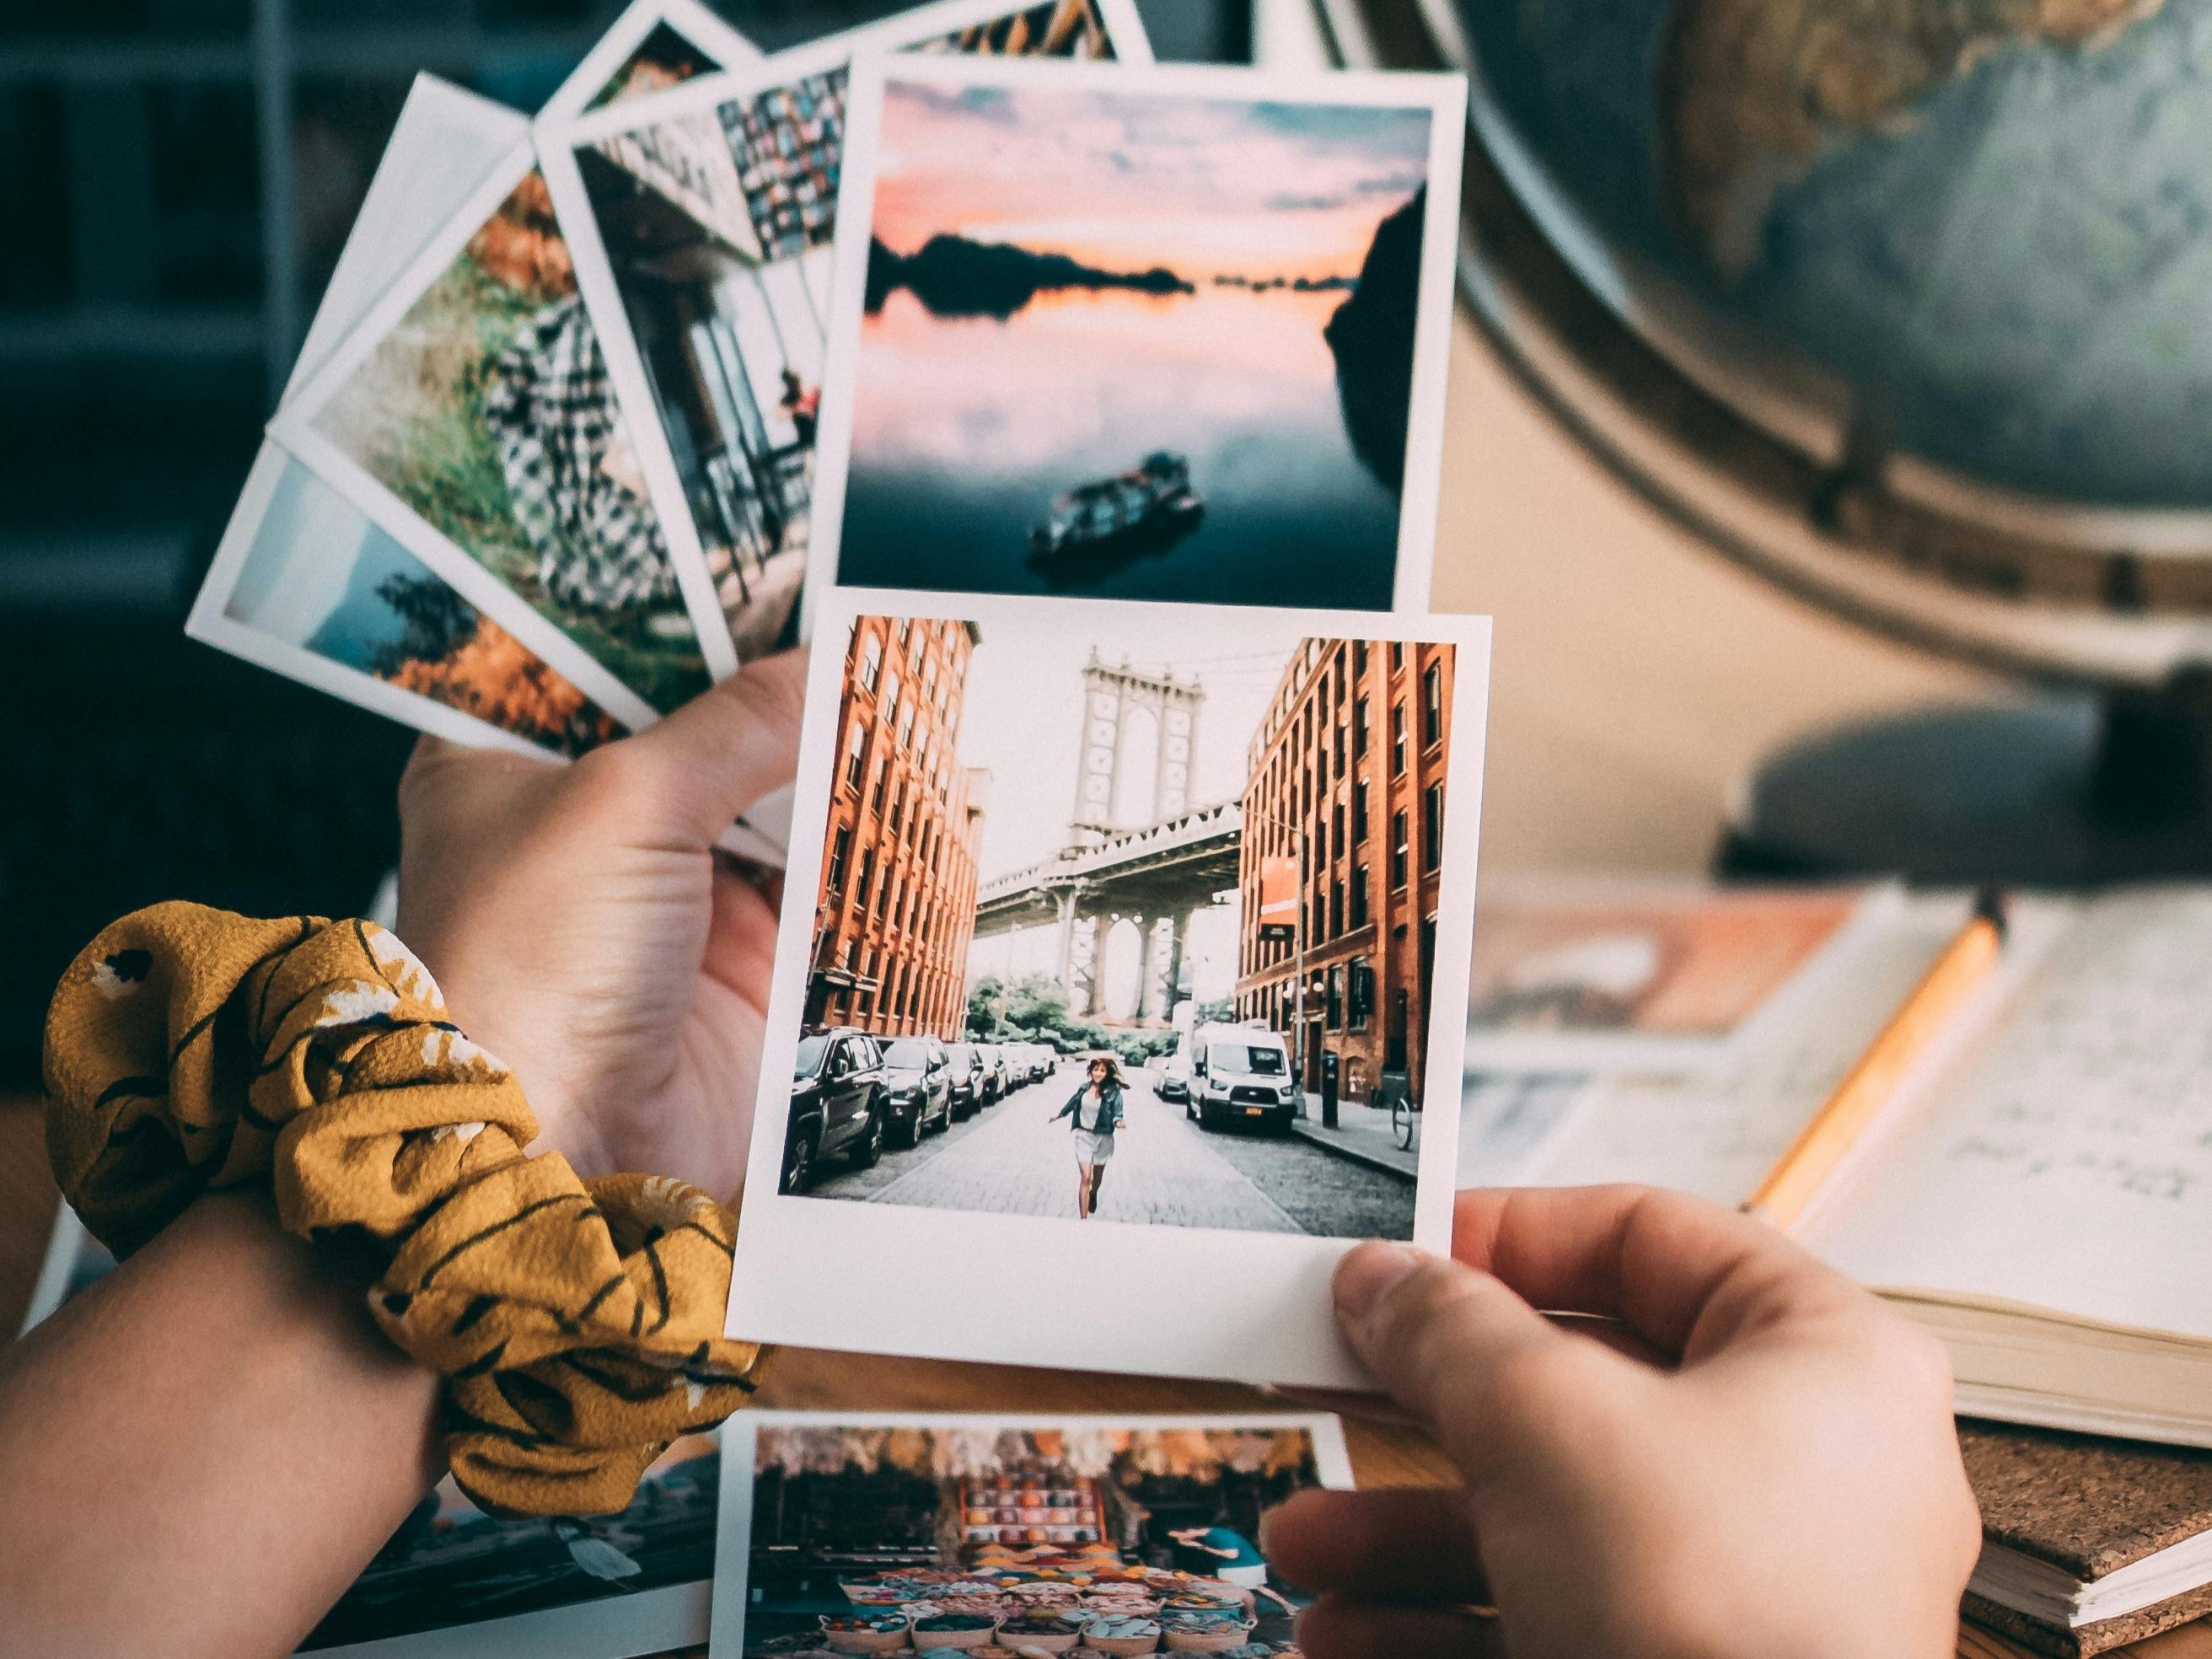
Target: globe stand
2072,790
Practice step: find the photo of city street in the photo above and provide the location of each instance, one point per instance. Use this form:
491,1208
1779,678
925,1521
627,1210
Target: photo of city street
1130,915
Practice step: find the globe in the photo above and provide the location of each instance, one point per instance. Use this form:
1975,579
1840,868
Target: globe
1906,306
1990,221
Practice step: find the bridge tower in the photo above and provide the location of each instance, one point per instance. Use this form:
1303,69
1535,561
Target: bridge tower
1111,695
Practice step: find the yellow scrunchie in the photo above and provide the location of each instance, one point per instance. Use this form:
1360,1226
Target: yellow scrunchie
578,1323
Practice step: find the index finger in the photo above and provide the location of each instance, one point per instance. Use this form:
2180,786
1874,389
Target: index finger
1682,1273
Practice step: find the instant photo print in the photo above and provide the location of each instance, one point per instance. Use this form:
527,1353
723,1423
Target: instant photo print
471,416
1663,978
1170,332
861,1529
700,220
1178,834
652,46
308,585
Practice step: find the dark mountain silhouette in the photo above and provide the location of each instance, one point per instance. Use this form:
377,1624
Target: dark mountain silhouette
953,276
1372,335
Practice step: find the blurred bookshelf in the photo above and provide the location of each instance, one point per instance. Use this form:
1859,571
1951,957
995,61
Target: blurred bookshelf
177,178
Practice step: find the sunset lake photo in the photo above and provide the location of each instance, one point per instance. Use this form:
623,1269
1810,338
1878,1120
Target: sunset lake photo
1139,343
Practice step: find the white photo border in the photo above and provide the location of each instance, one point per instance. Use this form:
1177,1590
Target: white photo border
688,18
211,623
295,428
1443,96
734,1528
828,1290
398,215
557,141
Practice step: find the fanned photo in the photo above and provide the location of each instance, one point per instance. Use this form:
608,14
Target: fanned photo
475,401
702,221
1144,335
307,583
652,46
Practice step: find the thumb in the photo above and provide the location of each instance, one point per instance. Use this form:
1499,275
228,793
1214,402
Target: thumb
1456,1346
729,747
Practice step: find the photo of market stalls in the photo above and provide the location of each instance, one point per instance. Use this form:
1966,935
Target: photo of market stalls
1002,1541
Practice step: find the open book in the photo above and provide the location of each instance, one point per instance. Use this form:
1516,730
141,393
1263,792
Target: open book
2040,1192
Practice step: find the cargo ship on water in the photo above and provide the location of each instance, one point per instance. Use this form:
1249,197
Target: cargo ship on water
1145,510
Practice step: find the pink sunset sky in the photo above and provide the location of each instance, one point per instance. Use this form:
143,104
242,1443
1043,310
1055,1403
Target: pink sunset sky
1126,181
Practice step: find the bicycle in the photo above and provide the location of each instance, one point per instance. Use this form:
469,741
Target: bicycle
1405,1120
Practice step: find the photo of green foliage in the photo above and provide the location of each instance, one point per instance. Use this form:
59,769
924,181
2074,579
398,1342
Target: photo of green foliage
487,411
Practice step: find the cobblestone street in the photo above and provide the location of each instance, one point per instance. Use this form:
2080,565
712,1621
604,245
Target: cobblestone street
1014,1158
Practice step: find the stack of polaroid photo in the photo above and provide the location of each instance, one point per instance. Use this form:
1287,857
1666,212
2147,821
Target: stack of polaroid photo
1084,416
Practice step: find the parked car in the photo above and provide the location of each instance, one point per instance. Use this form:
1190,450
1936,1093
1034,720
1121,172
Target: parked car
994,1071
837,1104
917,1089
1037,1061
965,1082
1239,1075
1173,1074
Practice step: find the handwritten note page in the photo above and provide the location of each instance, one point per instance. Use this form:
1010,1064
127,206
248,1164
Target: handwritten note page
1713,1136
2065,1160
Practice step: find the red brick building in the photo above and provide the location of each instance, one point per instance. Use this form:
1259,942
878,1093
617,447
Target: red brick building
895,910
1347,779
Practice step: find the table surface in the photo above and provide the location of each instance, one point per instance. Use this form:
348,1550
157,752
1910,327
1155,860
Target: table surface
1381,1454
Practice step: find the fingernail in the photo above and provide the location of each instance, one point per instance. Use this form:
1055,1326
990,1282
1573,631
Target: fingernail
1366,1275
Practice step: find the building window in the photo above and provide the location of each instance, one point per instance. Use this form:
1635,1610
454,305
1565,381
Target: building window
876,793
1359,992
1359,656
1432,827
1338,744
1359,895
872,662
1397,655
1399,850
1335,908
1432,705
883,897
1336,830
856,752
1335,1003
1360,813
905,725
1359,729
1397,739
838,848
867,879
1394,1035
905,629
1315,931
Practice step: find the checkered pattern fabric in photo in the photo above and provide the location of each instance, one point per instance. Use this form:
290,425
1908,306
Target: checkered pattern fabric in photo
551,408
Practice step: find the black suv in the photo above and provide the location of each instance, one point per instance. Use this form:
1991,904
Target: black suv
970,1069
837,1104
917,1087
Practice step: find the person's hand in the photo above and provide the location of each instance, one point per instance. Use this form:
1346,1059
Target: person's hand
585,932
1757,1459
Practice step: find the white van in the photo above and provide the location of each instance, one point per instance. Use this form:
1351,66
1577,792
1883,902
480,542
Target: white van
1242,1074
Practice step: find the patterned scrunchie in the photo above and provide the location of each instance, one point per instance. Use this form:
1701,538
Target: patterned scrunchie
578,1324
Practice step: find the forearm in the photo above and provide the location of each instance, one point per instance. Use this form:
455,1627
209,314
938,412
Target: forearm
209,1444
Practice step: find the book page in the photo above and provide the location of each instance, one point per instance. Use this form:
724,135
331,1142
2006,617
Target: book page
1713,1136
2064,1159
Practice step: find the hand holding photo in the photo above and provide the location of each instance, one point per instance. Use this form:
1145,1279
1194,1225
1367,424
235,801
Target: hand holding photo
1168,333
870,1532
1127,930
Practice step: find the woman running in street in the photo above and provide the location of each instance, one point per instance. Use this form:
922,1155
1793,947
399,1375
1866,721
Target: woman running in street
1096,1111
